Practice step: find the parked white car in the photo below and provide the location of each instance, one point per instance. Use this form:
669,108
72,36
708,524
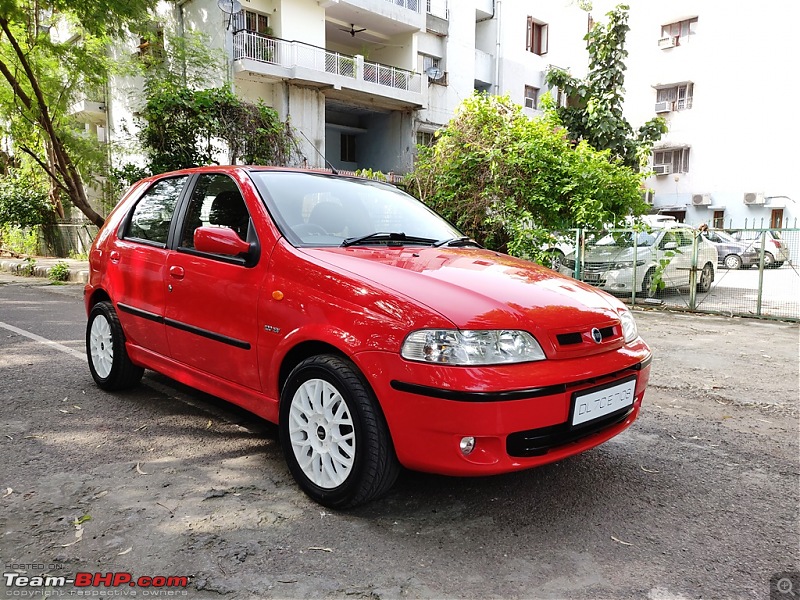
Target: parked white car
609,261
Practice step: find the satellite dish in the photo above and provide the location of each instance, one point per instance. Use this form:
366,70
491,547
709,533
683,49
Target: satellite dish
434,73
230,8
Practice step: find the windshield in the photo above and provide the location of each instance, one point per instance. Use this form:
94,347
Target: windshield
314,209
625,239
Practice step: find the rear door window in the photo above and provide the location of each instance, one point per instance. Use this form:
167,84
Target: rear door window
152,216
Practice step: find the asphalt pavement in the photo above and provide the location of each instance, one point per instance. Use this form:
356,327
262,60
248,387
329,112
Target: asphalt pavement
698,499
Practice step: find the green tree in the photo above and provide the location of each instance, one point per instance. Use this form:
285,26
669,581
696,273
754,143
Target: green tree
45,75
594,108
509,181
188,121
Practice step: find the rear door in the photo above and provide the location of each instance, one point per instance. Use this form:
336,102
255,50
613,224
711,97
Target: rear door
212,300
138,258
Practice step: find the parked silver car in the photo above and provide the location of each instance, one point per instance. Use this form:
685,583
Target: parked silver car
609,261
776,250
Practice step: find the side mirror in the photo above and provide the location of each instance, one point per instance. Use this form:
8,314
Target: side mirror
219,240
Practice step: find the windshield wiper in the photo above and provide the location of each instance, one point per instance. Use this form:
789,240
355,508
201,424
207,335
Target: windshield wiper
457,242
385,236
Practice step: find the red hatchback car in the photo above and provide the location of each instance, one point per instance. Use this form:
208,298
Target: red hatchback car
368,328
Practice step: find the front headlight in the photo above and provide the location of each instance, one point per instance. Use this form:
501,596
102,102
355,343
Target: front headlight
626,264
629,330
471,347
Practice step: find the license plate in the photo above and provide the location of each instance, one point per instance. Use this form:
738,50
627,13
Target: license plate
598,403
591,276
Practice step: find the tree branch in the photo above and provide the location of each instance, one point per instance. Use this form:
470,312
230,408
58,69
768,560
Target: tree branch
44,166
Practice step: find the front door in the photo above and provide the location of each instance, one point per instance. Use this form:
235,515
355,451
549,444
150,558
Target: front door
212,301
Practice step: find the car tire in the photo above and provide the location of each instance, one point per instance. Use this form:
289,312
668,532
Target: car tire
706,277
647,292
556,259
109,363
334,436
777,264
769,260
733,261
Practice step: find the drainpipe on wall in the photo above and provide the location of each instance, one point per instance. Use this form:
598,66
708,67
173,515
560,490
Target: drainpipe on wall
496,11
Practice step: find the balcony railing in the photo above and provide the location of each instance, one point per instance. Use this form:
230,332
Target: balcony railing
437,8
284,53
409,4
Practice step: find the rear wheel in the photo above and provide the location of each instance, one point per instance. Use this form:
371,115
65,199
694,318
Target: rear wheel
334,437
733,261
109,363
769,260
706,277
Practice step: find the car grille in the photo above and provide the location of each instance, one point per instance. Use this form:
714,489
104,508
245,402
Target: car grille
578,337
538,442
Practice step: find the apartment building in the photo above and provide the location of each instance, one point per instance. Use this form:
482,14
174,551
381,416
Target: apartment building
721,76
364,81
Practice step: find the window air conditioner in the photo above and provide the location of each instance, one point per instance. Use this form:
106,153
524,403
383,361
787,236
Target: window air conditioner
668,42
754,198
662,107
662,169
701,199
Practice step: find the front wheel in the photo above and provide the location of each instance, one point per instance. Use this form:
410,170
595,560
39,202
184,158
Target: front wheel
706,277
733,261
109,363
334,437
769,260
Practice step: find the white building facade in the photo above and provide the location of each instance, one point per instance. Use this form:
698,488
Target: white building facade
365,81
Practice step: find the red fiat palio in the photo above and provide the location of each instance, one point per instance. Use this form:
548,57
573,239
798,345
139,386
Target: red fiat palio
368,328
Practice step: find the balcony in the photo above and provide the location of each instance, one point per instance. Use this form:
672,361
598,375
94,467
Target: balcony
386,17
276,59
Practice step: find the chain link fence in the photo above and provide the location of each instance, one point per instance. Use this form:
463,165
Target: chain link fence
744,272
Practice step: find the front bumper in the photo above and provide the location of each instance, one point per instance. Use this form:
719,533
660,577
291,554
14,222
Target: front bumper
430,408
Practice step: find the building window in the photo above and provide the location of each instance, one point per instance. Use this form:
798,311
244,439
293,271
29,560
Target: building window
425,138
248,20
719,219
531,96
776,219
678,97
348,148
151,45
675,160
432,66
537,37
680,31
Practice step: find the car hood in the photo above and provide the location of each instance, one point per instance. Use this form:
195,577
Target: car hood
478,288
615,253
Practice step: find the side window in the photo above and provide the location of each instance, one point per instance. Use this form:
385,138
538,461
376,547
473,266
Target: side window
152,215
669,236
215,202
684,237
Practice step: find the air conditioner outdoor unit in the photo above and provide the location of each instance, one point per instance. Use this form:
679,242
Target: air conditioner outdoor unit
662,169
668,42
701,199
662,107
754,198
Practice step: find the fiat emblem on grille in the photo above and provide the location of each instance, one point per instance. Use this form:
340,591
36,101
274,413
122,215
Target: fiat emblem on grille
596,335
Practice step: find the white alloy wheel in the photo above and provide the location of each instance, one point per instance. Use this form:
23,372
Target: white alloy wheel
322,433
101,346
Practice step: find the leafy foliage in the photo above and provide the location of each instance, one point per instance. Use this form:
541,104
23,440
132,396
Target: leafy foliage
24,201
594,110
187,121
58,272
508,181
46,72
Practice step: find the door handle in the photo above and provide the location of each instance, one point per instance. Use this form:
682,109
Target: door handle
113,256
176,272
